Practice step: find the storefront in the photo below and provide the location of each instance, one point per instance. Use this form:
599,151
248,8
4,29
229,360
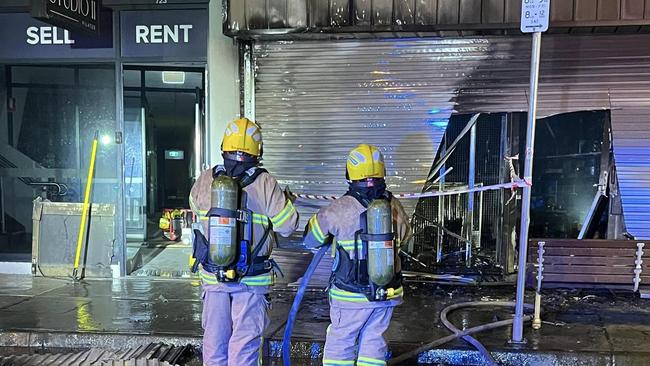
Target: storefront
397,73
141,85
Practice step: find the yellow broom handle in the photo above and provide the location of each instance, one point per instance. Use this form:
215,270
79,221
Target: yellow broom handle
84,213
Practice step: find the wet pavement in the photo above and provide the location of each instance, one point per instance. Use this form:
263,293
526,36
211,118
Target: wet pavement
581,327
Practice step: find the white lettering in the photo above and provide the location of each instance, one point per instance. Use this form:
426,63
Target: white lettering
186,32
173,34
82,7
156,34
141,34
163,33
46,35
66,38
32,35
55,36
87,11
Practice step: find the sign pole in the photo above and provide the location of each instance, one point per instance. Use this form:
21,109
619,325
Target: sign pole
518,325
534,19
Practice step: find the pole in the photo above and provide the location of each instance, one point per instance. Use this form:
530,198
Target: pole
86,205
2,206
441,204
471,181
518,325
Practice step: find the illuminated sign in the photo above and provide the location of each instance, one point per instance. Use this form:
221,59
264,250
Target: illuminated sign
174,155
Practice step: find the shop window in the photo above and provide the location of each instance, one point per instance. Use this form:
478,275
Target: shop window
53,115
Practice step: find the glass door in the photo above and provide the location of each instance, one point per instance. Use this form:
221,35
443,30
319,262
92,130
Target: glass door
135,167
163,127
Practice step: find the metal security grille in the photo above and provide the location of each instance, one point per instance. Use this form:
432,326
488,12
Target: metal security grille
317,99
454,208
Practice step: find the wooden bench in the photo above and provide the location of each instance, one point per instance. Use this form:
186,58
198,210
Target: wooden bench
589,263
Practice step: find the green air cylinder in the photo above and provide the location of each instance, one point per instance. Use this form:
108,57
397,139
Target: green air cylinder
223,230
381,253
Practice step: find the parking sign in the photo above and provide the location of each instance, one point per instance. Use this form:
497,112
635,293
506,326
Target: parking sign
535,15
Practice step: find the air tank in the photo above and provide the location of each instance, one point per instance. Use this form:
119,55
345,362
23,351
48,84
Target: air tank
381,253
223,230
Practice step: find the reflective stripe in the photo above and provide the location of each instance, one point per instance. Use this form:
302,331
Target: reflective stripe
208,278
342,295
347,296
348,245
367,361
202,214
260,219
261,280
327,362
316,230
284,215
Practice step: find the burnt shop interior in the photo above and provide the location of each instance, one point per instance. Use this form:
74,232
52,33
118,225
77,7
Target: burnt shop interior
137,92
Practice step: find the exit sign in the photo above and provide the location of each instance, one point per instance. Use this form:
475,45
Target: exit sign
535,15
72,15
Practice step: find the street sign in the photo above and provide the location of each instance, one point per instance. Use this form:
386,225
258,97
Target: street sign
535,15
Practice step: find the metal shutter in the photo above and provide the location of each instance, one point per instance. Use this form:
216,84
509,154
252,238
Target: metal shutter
317,99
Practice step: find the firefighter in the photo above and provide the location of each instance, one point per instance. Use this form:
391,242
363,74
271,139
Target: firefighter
240,205
367,227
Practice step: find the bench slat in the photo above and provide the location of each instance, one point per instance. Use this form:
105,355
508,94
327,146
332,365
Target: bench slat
593,278
590,252
593,261
585,270
574,243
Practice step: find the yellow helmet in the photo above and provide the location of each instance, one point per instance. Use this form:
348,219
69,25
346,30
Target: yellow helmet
365,161
243,135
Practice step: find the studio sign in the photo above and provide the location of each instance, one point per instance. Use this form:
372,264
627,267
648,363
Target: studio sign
73,15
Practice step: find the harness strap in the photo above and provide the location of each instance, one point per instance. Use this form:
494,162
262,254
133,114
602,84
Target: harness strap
377,237
222,212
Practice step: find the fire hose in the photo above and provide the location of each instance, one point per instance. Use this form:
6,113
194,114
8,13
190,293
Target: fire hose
295,307
465,334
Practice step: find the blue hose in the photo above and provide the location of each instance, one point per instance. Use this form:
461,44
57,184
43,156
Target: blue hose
288,329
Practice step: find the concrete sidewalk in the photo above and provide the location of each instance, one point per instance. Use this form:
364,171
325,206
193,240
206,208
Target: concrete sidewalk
582,328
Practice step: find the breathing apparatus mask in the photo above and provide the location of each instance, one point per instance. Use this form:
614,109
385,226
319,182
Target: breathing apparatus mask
237,163
369,188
